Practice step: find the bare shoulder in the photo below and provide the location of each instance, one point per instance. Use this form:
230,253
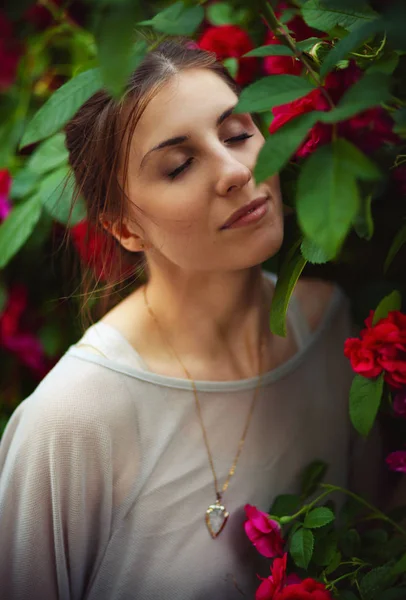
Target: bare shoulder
314,296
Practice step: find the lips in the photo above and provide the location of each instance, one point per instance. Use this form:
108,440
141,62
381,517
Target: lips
244,210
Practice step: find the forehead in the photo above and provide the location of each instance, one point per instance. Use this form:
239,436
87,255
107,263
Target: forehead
189,98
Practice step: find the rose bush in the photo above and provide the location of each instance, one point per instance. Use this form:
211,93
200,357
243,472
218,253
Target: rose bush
326,82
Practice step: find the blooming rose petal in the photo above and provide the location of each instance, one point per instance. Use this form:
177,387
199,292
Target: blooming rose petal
396,461
308,589
230,41
263,532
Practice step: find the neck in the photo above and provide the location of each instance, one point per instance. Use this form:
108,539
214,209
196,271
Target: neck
216,318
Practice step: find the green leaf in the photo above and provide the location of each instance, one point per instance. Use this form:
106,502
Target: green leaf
292,266
313,253
51,339
394,22
281,145
349,43
62,106
386,63
365,399
3,296
274,90
24,183
399,568
363,222
284,505
398,242
334,563
56,193
375,582
306,45
371,90
318,517
356,162
221,13
398,593
116,47
271,50
231,64
17,228
327,197
351,543
391,302
50,154
312,476
301,547
399,116
316,14
177,20
325,549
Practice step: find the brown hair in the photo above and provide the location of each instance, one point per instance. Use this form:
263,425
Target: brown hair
95,138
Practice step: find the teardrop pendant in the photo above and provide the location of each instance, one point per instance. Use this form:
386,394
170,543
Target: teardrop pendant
216,518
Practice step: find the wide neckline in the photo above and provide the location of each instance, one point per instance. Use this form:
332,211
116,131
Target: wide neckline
212,385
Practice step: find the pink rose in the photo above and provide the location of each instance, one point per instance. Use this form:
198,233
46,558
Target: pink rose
5,184
399,403
263,532
396,461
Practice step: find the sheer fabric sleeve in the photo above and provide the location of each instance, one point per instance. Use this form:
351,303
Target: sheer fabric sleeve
59,475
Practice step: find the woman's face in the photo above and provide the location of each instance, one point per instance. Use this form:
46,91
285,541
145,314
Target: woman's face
200,175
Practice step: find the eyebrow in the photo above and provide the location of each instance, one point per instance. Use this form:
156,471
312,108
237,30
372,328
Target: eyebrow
180,139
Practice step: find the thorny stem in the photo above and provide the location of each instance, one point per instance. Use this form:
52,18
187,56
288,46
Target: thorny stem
379,514
331,584
286,39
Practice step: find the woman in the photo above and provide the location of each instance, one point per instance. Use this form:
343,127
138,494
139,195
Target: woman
126,472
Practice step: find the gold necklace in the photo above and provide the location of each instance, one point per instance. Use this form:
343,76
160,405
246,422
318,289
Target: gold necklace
216,514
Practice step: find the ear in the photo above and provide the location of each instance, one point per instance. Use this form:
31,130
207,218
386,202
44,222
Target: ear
131,241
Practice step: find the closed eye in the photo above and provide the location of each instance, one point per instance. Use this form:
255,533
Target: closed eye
237,138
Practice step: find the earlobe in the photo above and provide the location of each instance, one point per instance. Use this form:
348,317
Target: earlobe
128,239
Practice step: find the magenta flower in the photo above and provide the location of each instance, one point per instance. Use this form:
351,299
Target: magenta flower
5,184
399,403
263,532
396,461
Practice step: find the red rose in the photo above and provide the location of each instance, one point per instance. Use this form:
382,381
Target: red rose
275,582
10,53
319,134
363,360
24,344
396,461
91,246
286,112
368,130
230,41
380,347
5,185
308,589
276,65
263,532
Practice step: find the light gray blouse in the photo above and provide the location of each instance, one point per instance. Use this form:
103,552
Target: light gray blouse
105,481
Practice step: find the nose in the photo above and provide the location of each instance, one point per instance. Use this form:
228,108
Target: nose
234,174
